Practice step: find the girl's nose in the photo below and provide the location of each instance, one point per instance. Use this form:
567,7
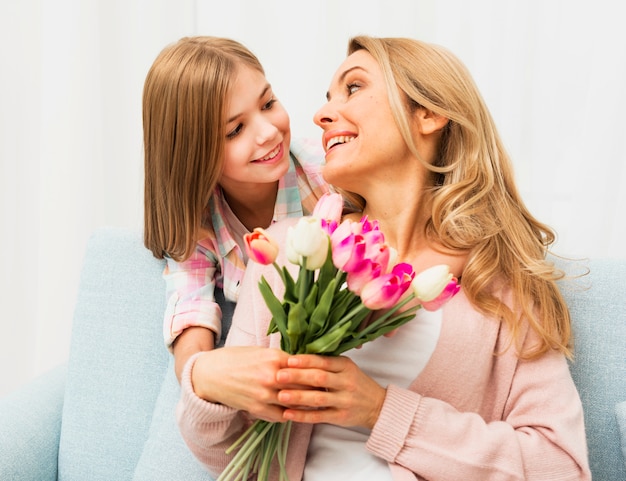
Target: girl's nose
266,132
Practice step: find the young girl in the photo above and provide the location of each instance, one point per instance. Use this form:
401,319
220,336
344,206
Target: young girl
481,389
217,164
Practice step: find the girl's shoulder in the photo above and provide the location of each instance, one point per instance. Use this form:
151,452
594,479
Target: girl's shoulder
307,151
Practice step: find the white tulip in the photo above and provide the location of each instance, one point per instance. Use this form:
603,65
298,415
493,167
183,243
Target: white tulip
428,284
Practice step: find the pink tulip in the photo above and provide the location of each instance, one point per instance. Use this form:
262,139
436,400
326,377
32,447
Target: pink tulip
354,241
379,253
386,290
328,210
260,247
365,225
344,245
363,272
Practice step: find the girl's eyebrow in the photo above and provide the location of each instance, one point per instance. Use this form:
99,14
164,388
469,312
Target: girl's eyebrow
343,76
263,92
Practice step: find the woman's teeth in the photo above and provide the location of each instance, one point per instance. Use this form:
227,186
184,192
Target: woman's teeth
340,139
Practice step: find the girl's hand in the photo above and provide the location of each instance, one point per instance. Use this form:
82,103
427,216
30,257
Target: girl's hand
243,378
337,392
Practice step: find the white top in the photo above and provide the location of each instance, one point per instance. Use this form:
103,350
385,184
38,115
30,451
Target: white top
338,454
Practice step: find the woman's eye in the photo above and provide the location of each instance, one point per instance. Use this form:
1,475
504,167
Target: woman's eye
269,104
233,133
352,88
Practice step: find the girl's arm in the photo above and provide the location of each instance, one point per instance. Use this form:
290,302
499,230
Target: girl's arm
192,318
192,340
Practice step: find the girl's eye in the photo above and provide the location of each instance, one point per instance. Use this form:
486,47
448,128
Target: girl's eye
269,104
233,133
352,88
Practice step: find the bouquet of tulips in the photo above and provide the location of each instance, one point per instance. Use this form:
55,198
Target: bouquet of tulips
347,271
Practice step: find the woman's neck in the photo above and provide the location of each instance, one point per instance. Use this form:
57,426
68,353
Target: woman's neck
404,230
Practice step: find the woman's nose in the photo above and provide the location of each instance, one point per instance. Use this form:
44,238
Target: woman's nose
324,116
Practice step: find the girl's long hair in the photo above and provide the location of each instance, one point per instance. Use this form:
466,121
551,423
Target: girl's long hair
184,101
476,204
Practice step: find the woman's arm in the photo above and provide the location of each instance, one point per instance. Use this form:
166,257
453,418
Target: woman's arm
539,434
534,432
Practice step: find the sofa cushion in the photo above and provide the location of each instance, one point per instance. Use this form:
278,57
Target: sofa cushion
596,303
165,454
117,361
620,412
30,425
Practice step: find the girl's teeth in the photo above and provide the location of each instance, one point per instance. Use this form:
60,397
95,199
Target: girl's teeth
272,154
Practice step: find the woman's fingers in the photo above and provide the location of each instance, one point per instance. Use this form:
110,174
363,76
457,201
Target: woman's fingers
333,390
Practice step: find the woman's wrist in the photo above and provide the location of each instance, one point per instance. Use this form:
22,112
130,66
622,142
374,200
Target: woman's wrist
201,369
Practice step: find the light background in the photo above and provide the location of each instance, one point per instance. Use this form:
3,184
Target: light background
552,72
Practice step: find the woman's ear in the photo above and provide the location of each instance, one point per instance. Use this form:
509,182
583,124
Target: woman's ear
429,122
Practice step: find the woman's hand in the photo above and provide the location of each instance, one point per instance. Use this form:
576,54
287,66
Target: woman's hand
243,378
336,391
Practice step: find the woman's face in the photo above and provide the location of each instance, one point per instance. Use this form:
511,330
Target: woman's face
361,139
257,132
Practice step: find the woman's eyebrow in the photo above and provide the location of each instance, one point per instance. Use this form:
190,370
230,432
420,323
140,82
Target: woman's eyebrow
343,76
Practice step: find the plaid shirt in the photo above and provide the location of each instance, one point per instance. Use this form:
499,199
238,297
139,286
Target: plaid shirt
218,262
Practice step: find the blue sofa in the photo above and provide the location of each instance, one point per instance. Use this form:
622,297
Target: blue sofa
108,413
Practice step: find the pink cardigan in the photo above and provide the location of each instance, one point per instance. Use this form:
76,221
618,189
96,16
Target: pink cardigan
469,415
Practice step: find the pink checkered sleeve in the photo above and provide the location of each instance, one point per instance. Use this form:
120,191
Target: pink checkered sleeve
190,288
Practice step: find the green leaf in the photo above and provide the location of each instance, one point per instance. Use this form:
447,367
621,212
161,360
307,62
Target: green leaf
296,327
329,341
279,317
319,317
342,302
290,286
361,338
311,300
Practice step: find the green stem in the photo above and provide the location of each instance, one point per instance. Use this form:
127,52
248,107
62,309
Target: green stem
239,460
280,272
383,319
282,453
348,317
253,427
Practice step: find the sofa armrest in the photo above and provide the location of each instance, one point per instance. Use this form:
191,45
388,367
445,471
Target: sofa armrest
30,428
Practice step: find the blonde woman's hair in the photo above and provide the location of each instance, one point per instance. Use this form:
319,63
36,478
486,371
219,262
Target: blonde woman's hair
184,99
476,204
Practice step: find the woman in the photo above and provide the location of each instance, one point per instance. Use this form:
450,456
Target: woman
480,391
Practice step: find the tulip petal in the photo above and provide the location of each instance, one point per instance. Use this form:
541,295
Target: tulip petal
260,247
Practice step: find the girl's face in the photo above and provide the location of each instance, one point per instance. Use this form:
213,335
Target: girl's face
257,132
361,139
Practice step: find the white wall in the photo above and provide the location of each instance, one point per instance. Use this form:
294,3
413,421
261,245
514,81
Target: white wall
552,73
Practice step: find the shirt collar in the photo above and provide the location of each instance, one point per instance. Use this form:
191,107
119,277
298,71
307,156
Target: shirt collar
288,204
